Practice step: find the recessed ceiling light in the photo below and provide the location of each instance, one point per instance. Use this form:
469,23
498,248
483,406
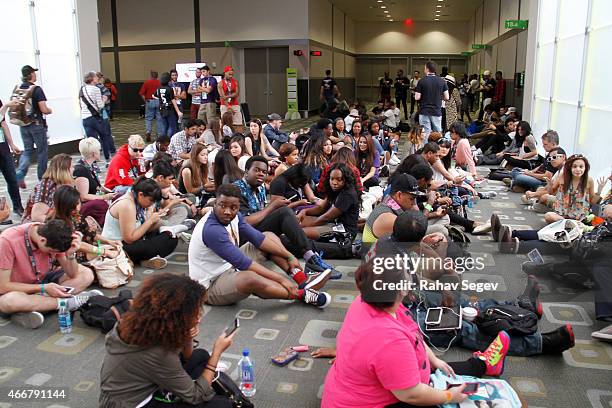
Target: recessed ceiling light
438,11
438,6
437,19
379,1
383,7
390,19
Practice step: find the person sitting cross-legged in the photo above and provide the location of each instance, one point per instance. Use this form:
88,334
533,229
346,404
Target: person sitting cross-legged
276,217
30,282
232,272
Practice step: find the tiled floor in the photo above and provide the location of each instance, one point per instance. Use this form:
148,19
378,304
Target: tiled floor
581,377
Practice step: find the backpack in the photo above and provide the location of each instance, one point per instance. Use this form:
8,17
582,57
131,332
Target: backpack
513,319
335,245
22,114
103,311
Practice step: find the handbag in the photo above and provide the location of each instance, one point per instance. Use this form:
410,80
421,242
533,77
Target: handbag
226,387
562,232
113,272
513,319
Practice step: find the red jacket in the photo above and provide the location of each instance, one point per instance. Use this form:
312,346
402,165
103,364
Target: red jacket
122,169
148,88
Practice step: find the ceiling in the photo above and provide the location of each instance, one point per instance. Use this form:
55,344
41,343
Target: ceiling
399,10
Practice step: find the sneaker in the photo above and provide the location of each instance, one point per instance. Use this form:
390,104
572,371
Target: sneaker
507,244
494,356
557,341
174,229
189,223
90,293
604,334
487,195
318,299
530,298
317,264
541,208
503,163
532,268
156,262
528,201
507,181
482,229
29,320
185,237
496,226
75,302
316,281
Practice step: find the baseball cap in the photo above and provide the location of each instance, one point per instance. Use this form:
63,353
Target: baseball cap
354,112
227,68
406,184
27,70
486,72
274,116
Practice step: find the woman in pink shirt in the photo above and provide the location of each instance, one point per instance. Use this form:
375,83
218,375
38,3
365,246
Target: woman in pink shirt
461,146
382,359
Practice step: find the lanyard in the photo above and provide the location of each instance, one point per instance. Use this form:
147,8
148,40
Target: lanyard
28,246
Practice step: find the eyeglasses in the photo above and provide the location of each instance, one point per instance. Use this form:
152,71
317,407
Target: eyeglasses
136,150
556,156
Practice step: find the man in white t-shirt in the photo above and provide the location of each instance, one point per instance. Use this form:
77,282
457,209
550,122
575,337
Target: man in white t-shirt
391,115
348,121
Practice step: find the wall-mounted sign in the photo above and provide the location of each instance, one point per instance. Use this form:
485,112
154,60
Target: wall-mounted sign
517,24
292,101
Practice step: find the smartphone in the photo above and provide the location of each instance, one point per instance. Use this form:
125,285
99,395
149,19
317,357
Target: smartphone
232,328
470,388
535,257
285,357
434,316
292,197
68,289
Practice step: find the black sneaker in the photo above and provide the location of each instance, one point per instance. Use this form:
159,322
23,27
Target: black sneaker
318,299
557,341
507,244
532,268
496,226
529,299
316,281
316,264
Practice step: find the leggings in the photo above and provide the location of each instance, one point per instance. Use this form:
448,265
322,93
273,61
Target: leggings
459,220
520,163
194,367
154,244
284,223
473,367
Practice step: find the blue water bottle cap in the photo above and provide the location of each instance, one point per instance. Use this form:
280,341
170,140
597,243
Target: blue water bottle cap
245,352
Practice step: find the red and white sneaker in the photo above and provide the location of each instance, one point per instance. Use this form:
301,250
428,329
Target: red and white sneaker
495,355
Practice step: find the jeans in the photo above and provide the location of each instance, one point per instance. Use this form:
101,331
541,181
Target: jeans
470,336
152,245
7,167
520,179
283,223
194,367
167,125
96,127
430,124
152,112
31,135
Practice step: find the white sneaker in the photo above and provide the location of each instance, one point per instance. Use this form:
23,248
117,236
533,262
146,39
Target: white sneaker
174,229
604,334
318,299
482,229
189,223
29,320
394,161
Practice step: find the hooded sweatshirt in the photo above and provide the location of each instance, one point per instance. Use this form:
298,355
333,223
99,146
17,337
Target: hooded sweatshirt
130,374
122,169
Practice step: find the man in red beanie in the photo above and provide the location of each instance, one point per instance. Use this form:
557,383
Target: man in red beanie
228,95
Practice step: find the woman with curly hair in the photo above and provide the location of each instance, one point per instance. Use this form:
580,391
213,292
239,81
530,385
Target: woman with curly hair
150,360
341,205
343,155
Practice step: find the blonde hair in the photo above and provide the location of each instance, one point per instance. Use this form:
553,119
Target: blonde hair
59,169
89,146
136,141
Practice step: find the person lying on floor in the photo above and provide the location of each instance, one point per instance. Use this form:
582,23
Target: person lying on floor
232,272
29,281
276,217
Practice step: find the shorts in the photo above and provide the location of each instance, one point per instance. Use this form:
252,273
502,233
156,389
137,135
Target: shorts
223,290
236,114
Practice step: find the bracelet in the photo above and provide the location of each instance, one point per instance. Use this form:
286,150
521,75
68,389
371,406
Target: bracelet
208,368
449,396
291,258
428,207
42,288
211,367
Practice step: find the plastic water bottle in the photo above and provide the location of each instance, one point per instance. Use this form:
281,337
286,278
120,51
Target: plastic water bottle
247,374
470,202
64,318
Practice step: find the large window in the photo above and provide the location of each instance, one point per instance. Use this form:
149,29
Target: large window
43,34
570,90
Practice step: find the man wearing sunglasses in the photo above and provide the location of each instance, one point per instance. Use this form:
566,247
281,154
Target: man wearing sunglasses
126,165
532,179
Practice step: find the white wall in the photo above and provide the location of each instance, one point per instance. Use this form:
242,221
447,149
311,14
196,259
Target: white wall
422,38
576,103
52,29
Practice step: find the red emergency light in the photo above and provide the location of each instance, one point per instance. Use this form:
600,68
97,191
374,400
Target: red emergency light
316,53
298,53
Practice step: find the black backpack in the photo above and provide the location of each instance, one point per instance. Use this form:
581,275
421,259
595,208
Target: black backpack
103,311
512,319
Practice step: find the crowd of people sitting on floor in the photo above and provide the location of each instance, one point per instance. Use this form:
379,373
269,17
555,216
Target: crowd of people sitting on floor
242,195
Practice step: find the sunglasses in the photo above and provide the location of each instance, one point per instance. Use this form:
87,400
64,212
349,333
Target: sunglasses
556,156
136,150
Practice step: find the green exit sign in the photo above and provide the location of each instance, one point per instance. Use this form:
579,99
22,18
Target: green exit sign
479,46
519,24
